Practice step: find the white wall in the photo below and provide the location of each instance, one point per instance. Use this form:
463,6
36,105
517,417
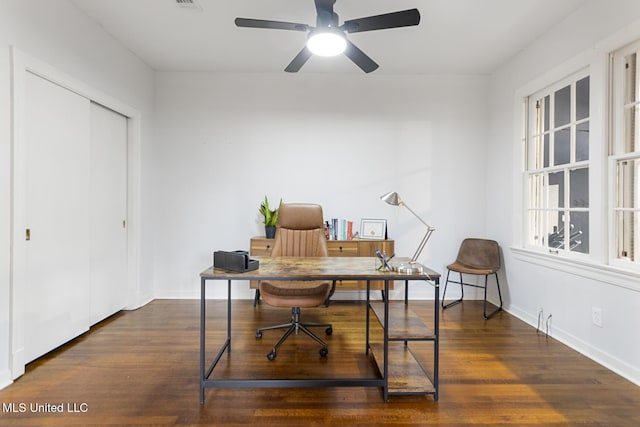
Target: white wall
223,142
55,32
567,296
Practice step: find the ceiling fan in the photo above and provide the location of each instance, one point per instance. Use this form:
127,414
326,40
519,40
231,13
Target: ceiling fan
328,38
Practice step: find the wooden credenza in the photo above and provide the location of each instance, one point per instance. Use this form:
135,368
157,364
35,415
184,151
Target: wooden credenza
261,246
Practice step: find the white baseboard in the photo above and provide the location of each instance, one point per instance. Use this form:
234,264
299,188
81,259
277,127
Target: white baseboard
142,301
603,358
5,379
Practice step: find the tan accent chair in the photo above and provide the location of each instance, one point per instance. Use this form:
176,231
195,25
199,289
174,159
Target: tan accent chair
300,233
479,257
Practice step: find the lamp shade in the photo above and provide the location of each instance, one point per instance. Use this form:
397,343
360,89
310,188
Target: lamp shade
392,198
326,42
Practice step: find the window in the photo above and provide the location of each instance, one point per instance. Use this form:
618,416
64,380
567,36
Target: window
580,145
557,167
624,154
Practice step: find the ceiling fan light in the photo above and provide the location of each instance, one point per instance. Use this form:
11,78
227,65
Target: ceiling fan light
326,43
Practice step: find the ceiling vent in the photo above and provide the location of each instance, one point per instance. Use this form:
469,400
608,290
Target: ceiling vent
188,4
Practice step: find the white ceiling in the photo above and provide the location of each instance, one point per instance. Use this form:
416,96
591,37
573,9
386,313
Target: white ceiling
454,36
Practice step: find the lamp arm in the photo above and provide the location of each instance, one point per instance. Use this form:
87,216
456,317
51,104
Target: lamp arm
416,215
426,237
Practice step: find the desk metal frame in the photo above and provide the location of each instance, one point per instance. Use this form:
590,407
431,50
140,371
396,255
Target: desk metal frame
327,268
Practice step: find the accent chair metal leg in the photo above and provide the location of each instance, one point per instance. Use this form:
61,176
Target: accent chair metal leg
458,301
256,298
484,313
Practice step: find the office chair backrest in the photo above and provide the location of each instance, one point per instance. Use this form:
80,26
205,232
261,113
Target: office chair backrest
300,231
479,253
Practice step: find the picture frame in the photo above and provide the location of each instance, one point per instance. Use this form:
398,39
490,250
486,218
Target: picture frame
375,229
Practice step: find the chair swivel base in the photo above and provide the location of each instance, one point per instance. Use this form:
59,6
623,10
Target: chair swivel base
296,326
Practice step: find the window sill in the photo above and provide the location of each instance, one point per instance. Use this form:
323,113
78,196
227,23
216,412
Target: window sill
627,279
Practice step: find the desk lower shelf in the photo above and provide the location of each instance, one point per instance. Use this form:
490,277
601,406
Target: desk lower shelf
403,322
405,374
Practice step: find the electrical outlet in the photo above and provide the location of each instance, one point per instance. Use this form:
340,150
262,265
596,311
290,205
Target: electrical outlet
596,316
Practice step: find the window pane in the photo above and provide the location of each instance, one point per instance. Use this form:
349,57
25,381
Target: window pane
631,79
579,188
546,150
555,230
537,151
555,198
536,224
540,112
582,99
545,109
631,120
536,191
562,107
579,232
627,228
582,142
628,172
534,160
562,147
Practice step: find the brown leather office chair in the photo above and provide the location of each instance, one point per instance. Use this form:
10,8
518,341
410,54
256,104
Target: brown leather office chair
478,257
300,233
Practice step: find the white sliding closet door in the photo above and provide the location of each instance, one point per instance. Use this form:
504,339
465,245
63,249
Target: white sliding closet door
108,210
56,236
71,241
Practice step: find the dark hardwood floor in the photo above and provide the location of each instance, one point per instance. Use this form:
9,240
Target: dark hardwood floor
141,368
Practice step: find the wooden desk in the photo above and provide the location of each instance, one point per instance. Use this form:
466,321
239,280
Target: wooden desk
261,246
392,318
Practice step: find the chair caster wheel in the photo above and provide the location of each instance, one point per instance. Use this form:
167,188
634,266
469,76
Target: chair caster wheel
258,334
324,351
271,355
329,330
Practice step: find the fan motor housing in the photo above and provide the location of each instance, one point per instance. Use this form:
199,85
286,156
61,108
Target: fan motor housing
327,18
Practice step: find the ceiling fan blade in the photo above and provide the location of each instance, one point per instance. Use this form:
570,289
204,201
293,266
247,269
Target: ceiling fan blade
272,25
404,18
360,58
301,58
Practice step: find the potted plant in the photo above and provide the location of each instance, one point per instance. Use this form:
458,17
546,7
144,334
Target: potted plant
270,218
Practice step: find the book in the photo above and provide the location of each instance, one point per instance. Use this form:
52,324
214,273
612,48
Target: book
338,229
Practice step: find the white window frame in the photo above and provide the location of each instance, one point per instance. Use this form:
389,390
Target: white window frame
597,266
529,170
616,153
